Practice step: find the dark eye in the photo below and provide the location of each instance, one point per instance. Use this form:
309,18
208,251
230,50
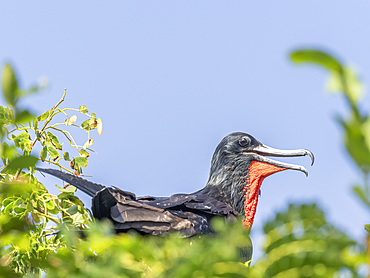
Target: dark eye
244,141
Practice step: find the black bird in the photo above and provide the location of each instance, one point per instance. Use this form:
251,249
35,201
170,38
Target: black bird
239,165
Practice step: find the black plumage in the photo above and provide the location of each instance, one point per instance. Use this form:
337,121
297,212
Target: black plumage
226,193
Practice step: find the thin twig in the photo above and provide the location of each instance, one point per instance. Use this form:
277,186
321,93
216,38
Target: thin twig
50,117
69,139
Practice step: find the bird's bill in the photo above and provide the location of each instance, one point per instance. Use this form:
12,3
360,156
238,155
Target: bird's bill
260,152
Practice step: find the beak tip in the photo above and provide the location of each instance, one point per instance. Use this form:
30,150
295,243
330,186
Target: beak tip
310,154
304,170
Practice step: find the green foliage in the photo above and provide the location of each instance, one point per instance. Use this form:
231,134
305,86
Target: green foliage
301,243
27,211
344,80
20,162
9,85
316,57
131,255
356,126
22,138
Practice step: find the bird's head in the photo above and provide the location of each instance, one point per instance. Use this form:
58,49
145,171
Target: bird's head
240,164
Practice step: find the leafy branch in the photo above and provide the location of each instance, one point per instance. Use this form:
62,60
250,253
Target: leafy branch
24,201
17,129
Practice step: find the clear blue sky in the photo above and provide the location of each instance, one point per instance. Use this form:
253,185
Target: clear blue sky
171,78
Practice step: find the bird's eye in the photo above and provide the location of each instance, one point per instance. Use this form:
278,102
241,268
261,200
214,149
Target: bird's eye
244,141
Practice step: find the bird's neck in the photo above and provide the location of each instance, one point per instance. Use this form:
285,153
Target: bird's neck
226,184
240,188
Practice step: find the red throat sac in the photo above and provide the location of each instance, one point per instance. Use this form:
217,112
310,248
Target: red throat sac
257,172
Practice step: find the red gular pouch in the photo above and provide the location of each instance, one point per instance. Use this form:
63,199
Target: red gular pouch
257,172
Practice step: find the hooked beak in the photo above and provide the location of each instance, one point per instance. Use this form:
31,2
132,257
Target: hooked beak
260,152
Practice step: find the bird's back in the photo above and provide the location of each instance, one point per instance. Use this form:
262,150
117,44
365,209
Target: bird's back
190,214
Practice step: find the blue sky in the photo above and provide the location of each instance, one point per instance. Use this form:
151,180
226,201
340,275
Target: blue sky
171,78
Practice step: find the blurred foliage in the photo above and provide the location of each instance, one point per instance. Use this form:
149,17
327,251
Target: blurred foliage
301,243
344,81
56,235
104,254
356,125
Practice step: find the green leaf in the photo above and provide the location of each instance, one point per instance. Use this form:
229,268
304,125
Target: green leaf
47,141
54,141
9,85
72,210
23,116
21,163
79,162
367,227
70,197
83,109
89,124
44,153
356,142
35,122
78,218
364,129
68,189
19,209
50,205
346,82
23,141
53,153
38,135
35,217
362,195
6,115
7,152
317,57
43,116
66,156
67,219
84,153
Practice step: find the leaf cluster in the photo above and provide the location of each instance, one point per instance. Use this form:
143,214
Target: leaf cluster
22,134
29,214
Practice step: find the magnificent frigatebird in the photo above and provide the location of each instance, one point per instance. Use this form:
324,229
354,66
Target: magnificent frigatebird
239,165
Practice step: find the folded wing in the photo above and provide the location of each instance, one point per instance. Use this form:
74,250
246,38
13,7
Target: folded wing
189,214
